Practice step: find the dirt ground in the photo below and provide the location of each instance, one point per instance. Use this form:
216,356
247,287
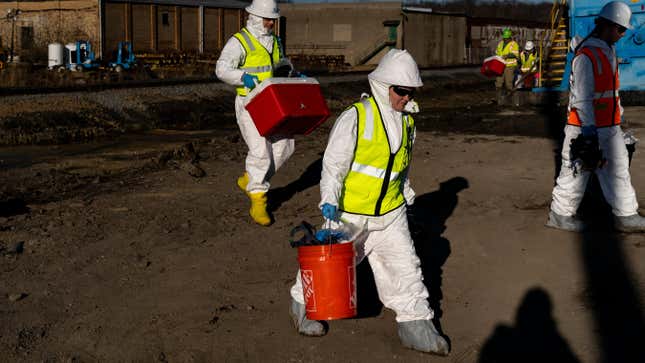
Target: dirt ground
119,249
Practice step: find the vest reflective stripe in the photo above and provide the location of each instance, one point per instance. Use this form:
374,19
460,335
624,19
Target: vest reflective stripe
606,85
510,48
258,61
246,35
369,117
374,184
257,69
372,171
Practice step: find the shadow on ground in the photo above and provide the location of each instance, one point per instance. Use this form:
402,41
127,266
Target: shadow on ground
611,293
533,338
310,177
427,219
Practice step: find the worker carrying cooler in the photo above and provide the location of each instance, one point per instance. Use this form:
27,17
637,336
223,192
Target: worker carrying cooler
509,50
364,183
249,57
594,141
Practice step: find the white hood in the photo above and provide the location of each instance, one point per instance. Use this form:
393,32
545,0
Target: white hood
391,117
263,35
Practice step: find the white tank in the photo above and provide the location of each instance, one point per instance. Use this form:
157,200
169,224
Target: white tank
55,55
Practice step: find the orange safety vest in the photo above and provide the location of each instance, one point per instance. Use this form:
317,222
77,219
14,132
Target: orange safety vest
606,99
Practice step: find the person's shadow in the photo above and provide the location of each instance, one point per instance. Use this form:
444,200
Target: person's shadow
310,177
426,221
534,338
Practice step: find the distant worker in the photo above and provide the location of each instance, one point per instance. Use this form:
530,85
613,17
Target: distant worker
248,58
510,51
365,184
594,140
528,66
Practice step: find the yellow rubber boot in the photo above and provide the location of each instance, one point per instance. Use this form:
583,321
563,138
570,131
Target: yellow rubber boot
243,181
259,209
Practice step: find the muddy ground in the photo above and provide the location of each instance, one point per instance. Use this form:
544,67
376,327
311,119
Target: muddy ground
116,248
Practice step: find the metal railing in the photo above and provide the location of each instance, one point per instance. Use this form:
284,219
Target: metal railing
556,15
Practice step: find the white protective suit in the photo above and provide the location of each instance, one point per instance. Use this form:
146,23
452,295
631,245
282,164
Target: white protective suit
266,155
614,177
384,240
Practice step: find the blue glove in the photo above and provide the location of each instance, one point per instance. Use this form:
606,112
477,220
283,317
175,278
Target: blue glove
325,234
589,131
330,211
250,80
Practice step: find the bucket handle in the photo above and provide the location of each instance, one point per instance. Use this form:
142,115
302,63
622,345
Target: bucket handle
327,225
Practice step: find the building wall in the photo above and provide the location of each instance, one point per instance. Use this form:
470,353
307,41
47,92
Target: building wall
353,29
168,28
143,27
436,40
44,22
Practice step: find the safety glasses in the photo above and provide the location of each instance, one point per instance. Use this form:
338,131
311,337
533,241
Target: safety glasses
402,91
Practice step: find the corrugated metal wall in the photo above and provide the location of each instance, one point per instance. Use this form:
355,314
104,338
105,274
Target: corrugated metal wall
213,38
142,28
189,29
169,28
115,15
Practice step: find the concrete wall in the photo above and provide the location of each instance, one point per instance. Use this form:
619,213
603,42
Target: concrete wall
435,40
352,30
44,22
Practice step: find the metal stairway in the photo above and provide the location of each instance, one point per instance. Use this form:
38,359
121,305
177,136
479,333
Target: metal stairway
553,53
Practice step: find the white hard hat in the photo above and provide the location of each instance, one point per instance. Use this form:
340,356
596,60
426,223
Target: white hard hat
617,12
264,8
397,68
529,46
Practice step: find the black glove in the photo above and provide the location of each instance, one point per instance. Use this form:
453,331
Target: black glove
587,150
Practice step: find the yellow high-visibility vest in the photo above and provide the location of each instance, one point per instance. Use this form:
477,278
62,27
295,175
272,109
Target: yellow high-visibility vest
258,60
374,184
527,60
510,48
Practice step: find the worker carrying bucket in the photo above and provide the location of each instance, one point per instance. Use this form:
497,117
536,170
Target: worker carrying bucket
327,271
248,58
364,184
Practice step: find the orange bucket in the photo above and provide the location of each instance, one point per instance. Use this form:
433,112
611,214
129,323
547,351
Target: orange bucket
328,275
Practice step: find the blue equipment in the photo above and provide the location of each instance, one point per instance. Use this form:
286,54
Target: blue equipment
630,49
124,58
79,56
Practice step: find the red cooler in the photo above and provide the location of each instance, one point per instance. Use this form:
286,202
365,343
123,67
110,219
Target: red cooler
493,66
287,106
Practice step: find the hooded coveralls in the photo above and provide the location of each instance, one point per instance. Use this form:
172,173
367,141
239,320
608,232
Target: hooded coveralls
266,155
385,238
595,102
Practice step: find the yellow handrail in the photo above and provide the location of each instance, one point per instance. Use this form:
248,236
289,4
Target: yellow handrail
558,5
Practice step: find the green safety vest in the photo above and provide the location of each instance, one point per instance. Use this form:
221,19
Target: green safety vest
374,184
527,60
510,48
258,60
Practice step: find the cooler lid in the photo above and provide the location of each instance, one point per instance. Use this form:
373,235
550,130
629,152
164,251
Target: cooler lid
278,80
495,57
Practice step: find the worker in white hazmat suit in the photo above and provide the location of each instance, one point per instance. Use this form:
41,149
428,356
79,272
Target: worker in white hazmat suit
365,184
595,115
248,58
